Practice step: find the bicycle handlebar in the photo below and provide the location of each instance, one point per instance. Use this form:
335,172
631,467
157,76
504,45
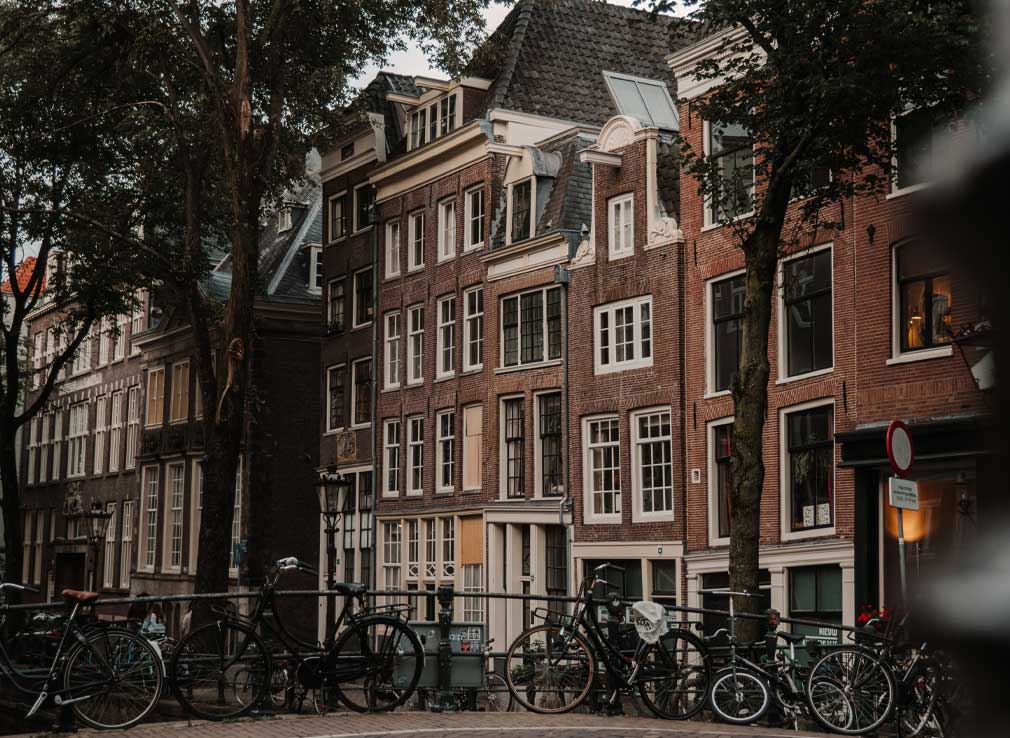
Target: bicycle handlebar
737,594
608,565
21,587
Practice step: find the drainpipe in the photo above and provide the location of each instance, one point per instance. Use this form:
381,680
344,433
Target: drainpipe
563,278
376,374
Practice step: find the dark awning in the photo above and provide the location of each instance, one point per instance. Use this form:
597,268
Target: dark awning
934,440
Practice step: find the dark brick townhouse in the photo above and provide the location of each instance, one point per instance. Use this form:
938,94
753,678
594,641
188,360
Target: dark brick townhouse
83,446
275,503
861,334
476,219
373,131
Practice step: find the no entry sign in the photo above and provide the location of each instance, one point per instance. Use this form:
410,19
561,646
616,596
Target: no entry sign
900,451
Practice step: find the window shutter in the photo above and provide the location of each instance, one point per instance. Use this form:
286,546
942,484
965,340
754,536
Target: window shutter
471,537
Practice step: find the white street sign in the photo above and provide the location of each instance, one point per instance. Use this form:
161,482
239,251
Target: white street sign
903,493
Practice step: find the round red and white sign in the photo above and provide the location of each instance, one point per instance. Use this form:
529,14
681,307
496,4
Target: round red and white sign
900,451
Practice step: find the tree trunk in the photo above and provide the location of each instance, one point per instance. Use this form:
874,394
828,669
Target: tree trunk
750,401
11,504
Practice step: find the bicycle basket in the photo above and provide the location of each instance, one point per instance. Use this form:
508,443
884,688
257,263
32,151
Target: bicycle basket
650,620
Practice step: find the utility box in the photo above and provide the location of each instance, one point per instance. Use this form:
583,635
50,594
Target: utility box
467,643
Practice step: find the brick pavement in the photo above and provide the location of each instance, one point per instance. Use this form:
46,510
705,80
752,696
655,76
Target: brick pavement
458,725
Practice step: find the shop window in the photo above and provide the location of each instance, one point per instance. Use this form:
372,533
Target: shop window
664,583
815,593
713,586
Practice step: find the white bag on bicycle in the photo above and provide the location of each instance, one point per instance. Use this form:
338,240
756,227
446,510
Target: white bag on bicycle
650,620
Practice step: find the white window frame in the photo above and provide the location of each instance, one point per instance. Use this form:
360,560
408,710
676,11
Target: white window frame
77,440
413,353
57,443
101,433
533,209
152,372
445,338
621,243
545,327
195,511
589,511
109,552
897,355
897,191
148,544
442,441
342,196
714,539
132,426
387,465
636,304
414,422
330,428
126,545
33,448
284,219
412,238
447,229
470,217
781,323
45,429
710,220
710,390
354,392
236,521
392,553
784,497
473,581
119,345
392,349
638,513
316,273
329,301
175,385
358,228
538,475
354,299
175,517
393,248
116,429
473,322
503,471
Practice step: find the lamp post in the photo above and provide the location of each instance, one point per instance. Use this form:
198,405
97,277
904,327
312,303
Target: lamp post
96,521
332,489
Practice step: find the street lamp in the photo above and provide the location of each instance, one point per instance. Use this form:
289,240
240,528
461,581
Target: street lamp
96,521
332,490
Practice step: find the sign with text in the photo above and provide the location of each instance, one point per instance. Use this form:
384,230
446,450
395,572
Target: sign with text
903,493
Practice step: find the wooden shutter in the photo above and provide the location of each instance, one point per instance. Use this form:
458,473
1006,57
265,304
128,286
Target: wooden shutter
471,540
473,439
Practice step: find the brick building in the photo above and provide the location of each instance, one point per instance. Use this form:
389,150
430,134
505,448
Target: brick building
275,500
81,447
861,334
476,221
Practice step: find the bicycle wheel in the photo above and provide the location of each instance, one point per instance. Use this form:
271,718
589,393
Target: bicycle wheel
739,696
866,683
548,672
496,696
118,674
375,664
221,671
674,676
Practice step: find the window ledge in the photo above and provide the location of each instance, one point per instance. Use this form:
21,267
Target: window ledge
611,256
524,367
472,370
597,520
334,431
714,395
807,375
894,194
614,369
361,426
798,535
473,247
361,230
444,378
359,326
713,226
391,277
923,355
415,383
391,388
444,492
391,495
444,259
718,542
418,493
665,517
338,239
415,269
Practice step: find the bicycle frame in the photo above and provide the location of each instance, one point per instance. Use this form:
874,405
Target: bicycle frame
43,682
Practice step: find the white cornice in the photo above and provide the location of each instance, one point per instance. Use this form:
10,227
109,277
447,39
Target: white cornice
683,62
606,158
467,135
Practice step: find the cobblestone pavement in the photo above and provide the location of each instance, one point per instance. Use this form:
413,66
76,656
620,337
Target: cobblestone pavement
458,725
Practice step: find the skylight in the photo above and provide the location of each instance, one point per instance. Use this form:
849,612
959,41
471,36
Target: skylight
645,99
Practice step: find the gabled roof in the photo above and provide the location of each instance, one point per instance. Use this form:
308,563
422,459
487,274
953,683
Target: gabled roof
548,56
284,261
24,273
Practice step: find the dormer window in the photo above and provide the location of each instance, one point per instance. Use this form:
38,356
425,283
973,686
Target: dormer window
347,151
520,208
315,269
433,120
284,220
648,100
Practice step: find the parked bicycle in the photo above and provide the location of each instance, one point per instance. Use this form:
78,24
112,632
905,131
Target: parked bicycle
225,670
551,668
110,678
879,677
746,688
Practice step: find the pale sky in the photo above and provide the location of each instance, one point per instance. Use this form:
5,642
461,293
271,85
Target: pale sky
413,62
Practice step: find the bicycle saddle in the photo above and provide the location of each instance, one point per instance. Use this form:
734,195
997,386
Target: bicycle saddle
790,637
79,595
351,589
